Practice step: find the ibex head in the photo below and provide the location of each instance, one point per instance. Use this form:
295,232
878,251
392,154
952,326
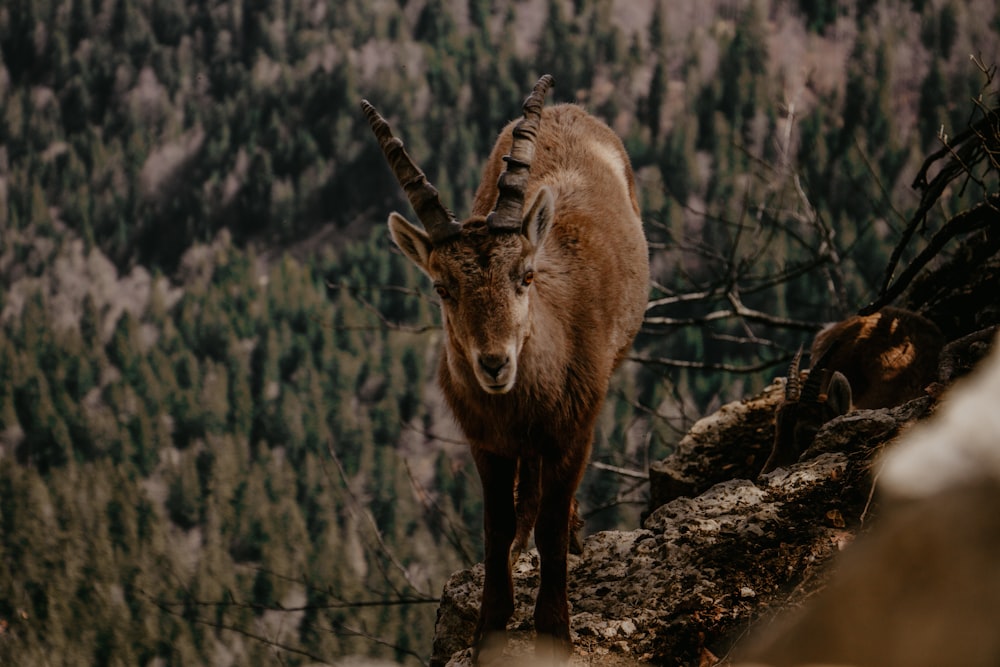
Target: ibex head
806,407
482,269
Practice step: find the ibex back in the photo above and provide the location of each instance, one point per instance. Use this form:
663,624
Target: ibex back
542,290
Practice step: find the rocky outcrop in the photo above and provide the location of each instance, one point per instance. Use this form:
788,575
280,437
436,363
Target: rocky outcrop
704,566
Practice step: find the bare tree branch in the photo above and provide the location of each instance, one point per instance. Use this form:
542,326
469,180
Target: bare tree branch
978,141
980,216
618,470
383,548
453,533
294,650
700,365
737,311
385,321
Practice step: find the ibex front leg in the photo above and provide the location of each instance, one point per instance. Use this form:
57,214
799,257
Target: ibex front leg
499,522
560,478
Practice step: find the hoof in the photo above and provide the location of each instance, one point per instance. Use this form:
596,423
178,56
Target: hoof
489,650
551,650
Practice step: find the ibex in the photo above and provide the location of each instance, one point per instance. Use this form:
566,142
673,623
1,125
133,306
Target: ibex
864,362
542,290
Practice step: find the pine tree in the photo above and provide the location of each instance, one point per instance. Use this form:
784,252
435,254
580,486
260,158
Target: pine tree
184,502
742,70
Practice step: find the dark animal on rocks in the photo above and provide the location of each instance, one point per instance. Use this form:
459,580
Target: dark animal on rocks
542,290
864,362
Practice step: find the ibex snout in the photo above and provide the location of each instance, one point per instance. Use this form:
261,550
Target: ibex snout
496,371
493,364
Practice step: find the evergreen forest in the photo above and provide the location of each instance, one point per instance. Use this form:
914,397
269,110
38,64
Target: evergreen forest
220,438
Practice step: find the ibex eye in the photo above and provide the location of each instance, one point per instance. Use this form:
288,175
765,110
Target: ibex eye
529,277
442,292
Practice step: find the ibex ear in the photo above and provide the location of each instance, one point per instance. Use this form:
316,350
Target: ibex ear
838,395
536,221
413,241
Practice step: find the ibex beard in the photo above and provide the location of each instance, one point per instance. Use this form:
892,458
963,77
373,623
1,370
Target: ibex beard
542,290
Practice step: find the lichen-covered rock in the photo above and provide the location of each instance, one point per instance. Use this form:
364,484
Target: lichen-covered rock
730,443
866,431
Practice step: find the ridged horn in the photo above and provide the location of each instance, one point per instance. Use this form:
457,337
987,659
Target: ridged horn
513,181
819,376
439,222
812,388
793,387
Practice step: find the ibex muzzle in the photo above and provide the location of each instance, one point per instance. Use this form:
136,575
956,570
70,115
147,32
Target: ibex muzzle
542,290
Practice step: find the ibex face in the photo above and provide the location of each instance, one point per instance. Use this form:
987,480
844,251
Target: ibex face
482,269
805,408
484,279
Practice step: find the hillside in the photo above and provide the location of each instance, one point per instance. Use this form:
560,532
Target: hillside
220,440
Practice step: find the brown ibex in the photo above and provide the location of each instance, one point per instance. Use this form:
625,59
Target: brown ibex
542,290
864,362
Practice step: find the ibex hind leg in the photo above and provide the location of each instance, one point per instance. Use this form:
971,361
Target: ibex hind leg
499,523
526,497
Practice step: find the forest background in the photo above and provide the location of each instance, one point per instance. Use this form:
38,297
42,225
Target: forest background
220,440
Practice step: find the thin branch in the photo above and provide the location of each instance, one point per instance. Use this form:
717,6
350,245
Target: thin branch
621,498
881,186
827,255
740,311
431,435
982,215
377,640
624,472
684,419
241,631
964,151
382,546
686,297
372,308
237,604
701,365
452,533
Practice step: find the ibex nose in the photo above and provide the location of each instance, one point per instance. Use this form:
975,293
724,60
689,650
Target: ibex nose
493,363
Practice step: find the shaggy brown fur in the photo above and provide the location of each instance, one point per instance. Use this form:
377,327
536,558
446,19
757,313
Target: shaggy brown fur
536,318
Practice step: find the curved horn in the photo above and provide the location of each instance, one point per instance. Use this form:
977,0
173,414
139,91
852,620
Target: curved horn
793,387
812,388
514,179
820,373
439,222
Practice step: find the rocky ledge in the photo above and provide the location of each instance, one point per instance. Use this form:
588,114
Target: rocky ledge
685,587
